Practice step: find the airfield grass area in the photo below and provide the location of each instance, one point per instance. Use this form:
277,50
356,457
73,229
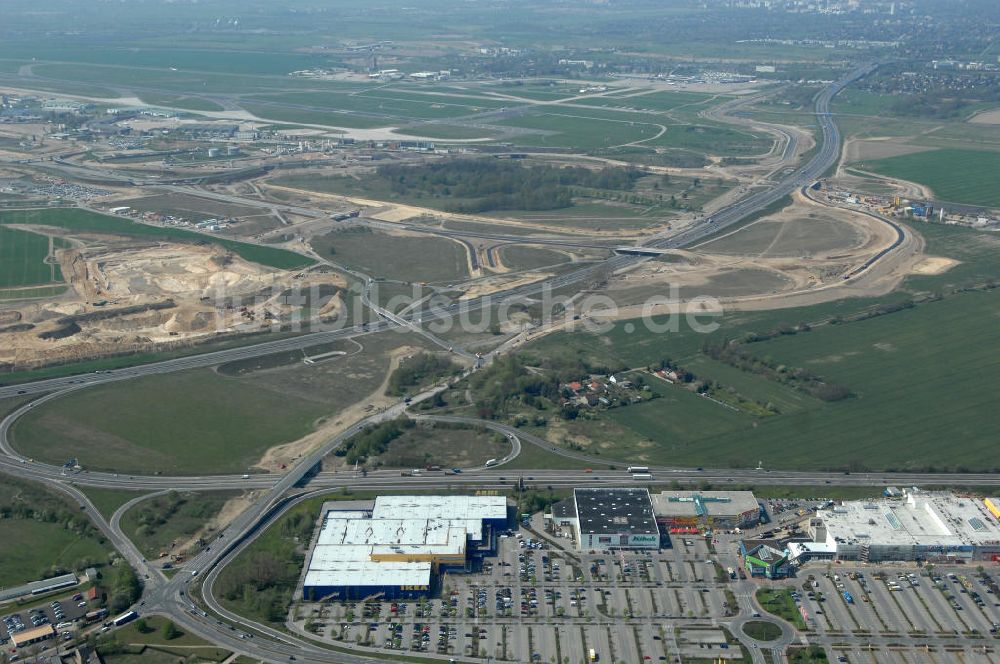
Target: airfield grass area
85,221
163,523
956,176
200,422
405,258
445,132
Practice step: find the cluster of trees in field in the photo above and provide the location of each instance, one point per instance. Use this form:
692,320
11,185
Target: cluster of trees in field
124,588
156,512
419,370
735,355
260,582
509,387
374,440
482,185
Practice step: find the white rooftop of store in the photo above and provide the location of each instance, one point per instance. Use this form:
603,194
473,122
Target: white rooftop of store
920,519
410,525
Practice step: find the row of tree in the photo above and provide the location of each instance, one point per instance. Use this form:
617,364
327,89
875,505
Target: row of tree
801,379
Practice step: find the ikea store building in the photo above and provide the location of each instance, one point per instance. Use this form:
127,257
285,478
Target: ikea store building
396,547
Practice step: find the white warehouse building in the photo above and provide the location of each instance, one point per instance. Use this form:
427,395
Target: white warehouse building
929,526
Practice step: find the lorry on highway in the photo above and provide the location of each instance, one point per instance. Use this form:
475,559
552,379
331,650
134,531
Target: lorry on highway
94,616
491,462
125,618
641,476
638,469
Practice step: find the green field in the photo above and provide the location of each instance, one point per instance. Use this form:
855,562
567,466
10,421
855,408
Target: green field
521,257
897,420
897,415
406,258
191,422
33,547
107,501
22,259
779,602
84,221
30,548
580,129
446,132
31,293
181,101
200,422
956,176
761,630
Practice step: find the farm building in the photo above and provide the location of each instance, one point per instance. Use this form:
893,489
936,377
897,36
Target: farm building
396,546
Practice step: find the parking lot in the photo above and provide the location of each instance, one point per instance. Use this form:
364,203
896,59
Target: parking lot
63,613
533,602
541,599
902,601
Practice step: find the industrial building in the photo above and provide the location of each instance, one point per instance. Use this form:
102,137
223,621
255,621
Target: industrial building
396,546
931,526
32,636
610,518
693,511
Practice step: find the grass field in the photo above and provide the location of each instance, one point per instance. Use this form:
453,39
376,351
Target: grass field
83,221
445,132
406,258
158,523
762,630
521,257
29,548
957,176
138,645
180,101
22,259
32,547
910,395
31,293
200,421
579,128
442,446
779,602
108,500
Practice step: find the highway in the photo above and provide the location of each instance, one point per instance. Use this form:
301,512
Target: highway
172,597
